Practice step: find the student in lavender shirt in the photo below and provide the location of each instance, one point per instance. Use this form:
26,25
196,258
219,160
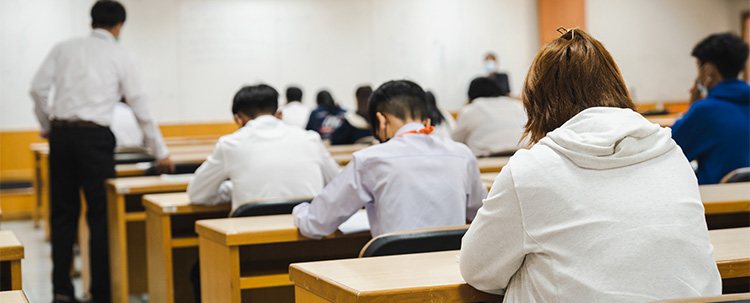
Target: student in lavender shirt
412,180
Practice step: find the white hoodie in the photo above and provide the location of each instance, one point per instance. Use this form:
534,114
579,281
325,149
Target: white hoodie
603,209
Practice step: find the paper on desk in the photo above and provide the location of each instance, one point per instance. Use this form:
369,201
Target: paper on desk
356,223
179,178
143,165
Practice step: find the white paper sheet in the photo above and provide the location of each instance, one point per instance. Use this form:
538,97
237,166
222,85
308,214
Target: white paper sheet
356,223
180,178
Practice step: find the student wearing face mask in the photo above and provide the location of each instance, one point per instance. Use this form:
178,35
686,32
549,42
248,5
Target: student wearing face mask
412,180
491,67
716,128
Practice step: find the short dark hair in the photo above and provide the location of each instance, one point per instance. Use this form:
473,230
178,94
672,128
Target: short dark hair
570,74
293,93
400,98
324,98
363,95
256,100
725,50
107,14
484,87
433,112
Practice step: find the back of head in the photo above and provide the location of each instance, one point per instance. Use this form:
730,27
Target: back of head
726,50
325,99
107,14
256,100
363,95
570,74
433,112
293,93
401,98
484,87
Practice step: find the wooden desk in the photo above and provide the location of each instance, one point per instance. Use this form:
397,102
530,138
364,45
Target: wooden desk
492,164
13,296
11,253
254,253
733,298
726,198
663,120
416,277
172,244
345,148
126,219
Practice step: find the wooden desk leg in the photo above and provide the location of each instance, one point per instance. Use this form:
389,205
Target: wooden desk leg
37,189
118,251
220,272
15,270
44,168
159,258
301,295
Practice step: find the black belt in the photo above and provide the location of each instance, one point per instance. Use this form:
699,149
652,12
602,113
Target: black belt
71,123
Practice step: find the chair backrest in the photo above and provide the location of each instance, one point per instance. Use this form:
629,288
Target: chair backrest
415,241
270,206
180,168
737,175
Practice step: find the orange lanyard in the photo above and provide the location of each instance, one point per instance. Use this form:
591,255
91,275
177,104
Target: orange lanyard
426,130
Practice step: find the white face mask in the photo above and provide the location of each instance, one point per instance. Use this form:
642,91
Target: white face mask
703,89
490,66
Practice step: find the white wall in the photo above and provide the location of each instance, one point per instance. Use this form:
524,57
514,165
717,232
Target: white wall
195,54
651,40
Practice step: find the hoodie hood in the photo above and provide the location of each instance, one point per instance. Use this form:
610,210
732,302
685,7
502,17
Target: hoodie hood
732,90
608,137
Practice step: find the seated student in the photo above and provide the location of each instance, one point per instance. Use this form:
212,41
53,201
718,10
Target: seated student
442,120
414,180
294,112
125,126
264,158
604,208
716,128
327,117
492,123
356,128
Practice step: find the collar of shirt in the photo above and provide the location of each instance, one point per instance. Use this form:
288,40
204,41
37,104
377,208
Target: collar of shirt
102,34
263,121
408,127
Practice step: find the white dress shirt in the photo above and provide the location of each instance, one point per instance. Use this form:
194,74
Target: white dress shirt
412,181
125,126
491,125
265,158
603,209
90,75
295,113
445,129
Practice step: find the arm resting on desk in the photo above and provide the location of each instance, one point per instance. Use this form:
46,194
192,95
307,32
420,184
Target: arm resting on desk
208,187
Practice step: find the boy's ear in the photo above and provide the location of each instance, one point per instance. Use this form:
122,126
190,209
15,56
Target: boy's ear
427,122
382,120
237,120
278,115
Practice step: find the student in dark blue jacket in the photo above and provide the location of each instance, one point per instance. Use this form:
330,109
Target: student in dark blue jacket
327,117
716,129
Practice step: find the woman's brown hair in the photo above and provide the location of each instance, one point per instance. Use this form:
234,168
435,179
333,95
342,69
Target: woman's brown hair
570,74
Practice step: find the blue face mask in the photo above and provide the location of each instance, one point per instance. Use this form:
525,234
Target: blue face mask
490,66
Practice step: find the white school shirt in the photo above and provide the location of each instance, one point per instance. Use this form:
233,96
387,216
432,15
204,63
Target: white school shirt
125,127
491,125
265,158
445,129
295,113
412,181
90,75
603,209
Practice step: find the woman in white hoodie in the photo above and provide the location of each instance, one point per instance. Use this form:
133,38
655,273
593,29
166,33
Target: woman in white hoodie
603,208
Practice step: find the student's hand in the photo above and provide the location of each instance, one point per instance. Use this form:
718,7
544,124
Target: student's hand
695,94
164,166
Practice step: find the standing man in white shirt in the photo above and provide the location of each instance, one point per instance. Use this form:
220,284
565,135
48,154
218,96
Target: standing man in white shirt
90,75
294,112
414,180
264,158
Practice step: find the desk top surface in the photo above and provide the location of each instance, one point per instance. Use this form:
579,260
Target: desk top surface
431,272
144,184
10,247
13,296
179,203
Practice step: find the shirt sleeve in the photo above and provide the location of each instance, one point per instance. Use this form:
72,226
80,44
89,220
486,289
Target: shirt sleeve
493,248
135,96
464,125
41,86
204,188
328,165
477,190
338,201
693,132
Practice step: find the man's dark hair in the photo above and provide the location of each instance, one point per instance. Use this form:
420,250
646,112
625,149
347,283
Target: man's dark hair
256,100
363,95
293,93
107,14
726,50
433,112
325,99
484,87
400,98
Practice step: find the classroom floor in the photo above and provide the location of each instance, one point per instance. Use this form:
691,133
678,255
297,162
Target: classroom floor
36,266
